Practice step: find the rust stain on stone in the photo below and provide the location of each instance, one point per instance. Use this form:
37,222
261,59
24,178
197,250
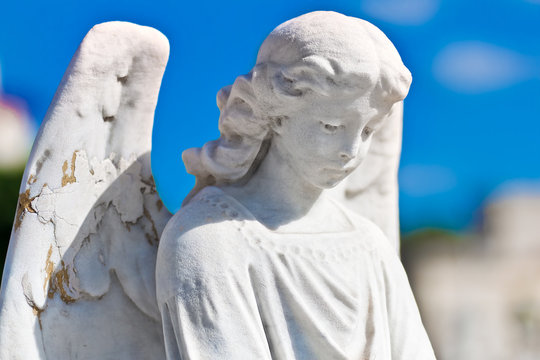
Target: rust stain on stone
68,179
25,205
37,312
159,204
49,268
32,179
59,283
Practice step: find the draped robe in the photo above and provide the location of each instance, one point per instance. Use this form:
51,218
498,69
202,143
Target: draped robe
230,288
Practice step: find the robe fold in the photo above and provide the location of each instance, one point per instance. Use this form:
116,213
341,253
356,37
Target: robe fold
230,288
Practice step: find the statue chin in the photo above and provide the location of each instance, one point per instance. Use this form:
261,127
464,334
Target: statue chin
331,181
328,178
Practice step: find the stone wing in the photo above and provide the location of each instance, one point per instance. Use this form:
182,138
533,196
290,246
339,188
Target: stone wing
79,279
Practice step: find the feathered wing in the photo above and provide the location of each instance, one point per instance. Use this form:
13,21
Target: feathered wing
79,278
372,189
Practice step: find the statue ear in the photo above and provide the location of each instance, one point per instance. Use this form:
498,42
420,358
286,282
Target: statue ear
392,88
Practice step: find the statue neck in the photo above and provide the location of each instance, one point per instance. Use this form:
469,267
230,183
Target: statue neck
276,194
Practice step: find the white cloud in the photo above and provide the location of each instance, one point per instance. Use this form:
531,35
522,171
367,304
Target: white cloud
422,180
401,12
476,67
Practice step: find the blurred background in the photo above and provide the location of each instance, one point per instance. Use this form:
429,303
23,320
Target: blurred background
470,169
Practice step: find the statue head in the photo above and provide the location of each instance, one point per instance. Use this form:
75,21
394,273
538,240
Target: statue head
322,67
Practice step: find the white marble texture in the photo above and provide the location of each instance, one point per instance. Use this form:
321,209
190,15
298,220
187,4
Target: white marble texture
261,261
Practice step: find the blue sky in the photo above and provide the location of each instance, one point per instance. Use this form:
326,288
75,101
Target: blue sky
472,117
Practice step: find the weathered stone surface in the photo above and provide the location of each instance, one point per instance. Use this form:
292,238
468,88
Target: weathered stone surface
79,276
261,262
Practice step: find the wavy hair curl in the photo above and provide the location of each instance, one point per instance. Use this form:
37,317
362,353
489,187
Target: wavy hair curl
315,54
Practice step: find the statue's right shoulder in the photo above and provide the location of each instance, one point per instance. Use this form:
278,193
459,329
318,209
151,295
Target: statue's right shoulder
201,239
210,212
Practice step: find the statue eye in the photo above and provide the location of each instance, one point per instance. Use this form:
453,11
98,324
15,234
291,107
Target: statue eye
329,128
367,131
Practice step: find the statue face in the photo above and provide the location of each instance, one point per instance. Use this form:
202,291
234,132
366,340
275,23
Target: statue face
325,141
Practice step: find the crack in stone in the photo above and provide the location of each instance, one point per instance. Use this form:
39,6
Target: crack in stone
62,278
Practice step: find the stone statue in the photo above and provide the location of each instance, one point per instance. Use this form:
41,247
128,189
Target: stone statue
261,262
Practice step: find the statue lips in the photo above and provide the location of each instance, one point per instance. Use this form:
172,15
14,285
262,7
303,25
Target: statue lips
333,175
340,173
343,167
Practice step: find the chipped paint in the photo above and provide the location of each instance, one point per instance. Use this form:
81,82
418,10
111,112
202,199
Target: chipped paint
32,179
84,191
76,209
59,284
69,179
25,205
49,268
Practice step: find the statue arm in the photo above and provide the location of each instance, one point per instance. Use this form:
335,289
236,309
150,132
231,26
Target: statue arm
205,294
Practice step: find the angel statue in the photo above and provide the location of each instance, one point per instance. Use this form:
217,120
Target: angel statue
262,261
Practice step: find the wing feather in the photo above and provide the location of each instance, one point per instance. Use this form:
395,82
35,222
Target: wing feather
79,275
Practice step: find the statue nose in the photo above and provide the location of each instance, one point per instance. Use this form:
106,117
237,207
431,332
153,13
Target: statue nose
350,151
350,147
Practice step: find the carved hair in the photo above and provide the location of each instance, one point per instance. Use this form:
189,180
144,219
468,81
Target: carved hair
315,54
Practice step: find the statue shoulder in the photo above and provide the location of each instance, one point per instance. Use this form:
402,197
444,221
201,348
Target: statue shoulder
210,212
372,235
202,239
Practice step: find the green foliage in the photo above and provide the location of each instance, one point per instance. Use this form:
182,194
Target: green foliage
424,236
10,182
